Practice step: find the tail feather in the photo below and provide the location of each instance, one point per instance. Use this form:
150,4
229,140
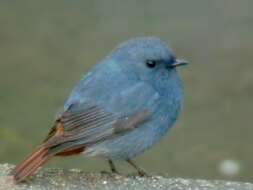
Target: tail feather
31,164
27,160
55,145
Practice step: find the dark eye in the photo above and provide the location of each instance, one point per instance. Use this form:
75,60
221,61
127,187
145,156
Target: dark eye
151,63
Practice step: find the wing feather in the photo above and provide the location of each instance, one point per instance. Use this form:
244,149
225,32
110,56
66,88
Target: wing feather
88,126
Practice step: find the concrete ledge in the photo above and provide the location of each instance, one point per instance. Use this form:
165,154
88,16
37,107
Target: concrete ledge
55,179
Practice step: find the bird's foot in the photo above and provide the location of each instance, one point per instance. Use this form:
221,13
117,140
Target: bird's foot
142,173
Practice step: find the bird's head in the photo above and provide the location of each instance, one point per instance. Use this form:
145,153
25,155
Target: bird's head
148,58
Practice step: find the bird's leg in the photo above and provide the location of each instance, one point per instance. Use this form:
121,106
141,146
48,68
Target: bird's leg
112,166
140,171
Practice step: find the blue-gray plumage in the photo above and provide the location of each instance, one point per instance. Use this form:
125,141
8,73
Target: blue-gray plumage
119,109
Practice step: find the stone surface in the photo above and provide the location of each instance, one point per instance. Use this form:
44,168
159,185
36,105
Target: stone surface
74,179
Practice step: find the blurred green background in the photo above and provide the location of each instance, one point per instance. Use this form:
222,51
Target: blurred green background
46,46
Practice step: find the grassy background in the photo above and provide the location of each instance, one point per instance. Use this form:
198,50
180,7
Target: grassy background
46,46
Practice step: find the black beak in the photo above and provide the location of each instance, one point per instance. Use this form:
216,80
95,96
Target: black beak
179,62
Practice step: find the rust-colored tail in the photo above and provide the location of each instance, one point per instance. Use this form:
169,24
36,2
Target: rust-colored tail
31,163
57,143
39,157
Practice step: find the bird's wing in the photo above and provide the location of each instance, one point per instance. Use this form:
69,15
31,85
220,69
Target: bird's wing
91,124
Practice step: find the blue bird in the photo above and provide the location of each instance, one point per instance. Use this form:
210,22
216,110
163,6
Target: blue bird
119,109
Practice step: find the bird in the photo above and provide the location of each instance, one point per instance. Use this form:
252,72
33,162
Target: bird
122,107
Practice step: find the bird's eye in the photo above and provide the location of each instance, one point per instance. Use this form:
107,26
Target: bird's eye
151,63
